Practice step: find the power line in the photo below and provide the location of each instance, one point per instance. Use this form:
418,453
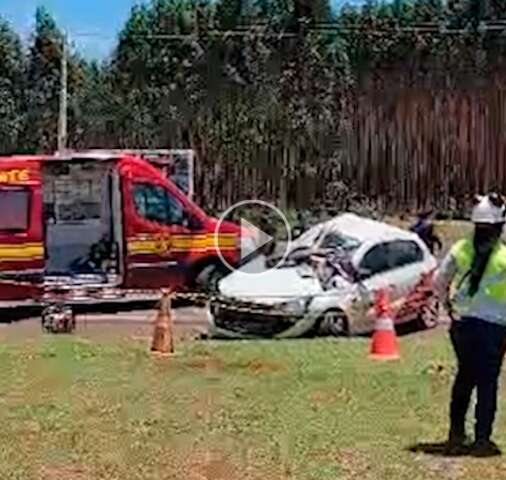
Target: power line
422,28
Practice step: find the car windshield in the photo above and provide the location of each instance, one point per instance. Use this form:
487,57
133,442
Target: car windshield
337,241
319,239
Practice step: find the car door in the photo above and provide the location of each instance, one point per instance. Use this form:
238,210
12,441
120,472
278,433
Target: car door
161,235
407,265
396,265
150,261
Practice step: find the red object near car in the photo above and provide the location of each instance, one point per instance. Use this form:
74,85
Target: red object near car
104,224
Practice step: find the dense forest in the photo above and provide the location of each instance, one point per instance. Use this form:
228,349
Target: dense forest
283,100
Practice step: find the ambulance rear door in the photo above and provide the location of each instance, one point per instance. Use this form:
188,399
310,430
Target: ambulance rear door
21,229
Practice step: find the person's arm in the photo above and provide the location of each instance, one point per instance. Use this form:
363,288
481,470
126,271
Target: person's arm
438,242
434,237
444,278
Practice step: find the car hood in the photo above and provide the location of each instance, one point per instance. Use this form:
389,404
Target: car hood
272,286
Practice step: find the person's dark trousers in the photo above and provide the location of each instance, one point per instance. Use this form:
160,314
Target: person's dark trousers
480,347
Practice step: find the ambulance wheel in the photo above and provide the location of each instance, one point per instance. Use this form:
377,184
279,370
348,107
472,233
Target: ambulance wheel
333,323
209,278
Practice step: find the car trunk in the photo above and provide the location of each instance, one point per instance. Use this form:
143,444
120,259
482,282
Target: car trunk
82,222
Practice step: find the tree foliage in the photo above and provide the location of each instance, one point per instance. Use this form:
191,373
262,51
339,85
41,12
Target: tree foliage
240,81
43,84
11,88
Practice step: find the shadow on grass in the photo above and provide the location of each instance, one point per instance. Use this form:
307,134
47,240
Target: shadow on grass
438,449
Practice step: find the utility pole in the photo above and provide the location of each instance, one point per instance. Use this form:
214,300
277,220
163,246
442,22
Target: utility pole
62,117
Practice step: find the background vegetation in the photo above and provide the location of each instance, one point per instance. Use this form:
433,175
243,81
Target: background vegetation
283,100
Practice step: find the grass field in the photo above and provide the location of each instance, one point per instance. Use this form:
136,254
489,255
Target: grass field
73,409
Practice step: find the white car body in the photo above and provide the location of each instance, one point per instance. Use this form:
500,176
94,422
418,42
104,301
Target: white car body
291,301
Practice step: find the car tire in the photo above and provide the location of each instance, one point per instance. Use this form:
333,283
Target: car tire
209,278
333,323
428,317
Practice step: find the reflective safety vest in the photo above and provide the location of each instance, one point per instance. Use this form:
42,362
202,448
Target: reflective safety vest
489,302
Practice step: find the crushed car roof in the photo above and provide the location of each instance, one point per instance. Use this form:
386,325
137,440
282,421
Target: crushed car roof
362,229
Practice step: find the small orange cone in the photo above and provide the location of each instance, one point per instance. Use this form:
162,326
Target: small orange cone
163,340
384,344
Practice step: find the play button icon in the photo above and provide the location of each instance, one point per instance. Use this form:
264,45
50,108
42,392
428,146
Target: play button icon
264,232
262,239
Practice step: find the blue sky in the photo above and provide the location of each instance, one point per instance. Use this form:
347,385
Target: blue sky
101,17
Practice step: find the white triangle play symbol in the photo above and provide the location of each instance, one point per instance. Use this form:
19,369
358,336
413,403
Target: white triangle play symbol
261,238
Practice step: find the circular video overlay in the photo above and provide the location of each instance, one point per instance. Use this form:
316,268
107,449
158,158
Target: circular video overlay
265,233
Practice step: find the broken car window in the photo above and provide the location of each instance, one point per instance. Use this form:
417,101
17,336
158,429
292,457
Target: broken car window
334,240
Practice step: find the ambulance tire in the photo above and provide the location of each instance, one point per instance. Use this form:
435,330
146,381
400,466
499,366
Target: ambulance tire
208,279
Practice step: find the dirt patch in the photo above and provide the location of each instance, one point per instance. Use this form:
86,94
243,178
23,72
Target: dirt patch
485,469
215,364
69,472
321,398
354,463
216,465
207,363
445,468
259,367
211,465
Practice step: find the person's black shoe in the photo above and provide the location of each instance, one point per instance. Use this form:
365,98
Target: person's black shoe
485,448
456,446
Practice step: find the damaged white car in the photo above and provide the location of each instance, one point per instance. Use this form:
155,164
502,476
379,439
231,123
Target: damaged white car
327,284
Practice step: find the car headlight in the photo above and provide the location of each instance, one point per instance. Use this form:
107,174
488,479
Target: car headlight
297,306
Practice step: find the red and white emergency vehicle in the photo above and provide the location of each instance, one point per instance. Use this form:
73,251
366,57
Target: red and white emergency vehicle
94,225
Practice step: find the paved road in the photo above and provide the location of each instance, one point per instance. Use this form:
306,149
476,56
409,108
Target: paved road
188,321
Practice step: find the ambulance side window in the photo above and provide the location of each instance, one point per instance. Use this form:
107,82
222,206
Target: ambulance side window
155,204
150,202
175,210
15,208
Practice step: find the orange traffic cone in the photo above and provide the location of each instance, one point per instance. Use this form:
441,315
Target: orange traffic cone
384,344
163,340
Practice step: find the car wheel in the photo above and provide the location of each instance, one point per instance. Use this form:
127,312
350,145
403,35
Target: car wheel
334,323
429,315
209,278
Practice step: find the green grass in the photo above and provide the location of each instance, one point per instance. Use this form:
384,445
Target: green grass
72,409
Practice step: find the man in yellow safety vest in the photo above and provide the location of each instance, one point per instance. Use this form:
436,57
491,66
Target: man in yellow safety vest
472,282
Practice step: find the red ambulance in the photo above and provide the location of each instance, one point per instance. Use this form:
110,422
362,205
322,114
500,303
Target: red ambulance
94,226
